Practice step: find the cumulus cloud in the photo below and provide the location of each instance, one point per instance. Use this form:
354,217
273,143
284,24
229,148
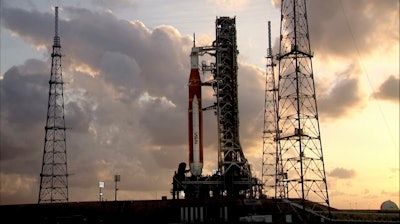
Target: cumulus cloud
26,27
345,30
125,102
354,26
23,98
342,173
341,96
389,90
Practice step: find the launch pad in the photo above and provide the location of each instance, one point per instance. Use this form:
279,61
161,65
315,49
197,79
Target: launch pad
215,186
224,210
233,177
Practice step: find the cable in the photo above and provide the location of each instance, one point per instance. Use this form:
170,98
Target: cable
366,74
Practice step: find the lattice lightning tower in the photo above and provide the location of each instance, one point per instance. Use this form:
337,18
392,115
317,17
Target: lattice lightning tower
270,165
54,175
299,138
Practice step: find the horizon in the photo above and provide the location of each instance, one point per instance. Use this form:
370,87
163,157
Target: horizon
127,65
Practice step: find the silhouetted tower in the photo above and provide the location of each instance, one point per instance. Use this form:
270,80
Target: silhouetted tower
54,175
233,178
232,162
299,141
271,166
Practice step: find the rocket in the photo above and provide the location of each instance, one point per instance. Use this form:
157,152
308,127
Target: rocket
195,116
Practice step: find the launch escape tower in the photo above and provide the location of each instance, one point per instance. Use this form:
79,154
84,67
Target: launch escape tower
299,168
54,175
233,178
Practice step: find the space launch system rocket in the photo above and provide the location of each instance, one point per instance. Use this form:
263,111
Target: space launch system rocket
195,116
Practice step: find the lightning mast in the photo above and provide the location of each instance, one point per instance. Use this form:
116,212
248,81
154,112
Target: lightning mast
271,165
54,175
299,139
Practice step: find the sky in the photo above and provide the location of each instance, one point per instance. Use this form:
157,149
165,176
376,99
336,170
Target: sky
126,66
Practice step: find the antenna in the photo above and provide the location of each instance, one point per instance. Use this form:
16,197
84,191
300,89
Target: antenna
269,50
56,37
56,22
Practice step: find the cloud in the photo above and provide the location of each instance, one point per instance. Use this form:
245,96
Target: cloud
24,24
125,102
389,90
118,4
354,26
342,173
341,96
23,99
343,31
230,4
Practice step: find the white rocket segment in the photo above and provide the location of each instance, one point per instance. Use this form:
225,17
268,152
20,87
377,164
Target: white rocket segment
196,167
194,58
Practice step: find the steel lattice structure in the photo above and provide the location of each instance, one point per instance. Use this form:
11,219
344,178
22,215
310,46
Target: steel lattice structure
270,165
299,139
233,178
54,175
232,162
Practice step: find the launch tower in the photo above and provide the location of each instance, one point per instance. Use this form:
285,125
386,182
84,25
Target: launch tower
54,175
302,171
232,162
233,177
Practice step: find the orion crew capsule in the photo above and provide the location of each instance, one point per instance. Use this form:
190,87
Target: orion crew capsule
195,116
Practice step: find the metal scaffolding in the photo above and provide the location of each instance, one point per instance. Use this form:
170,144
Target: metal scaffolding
299,140
232,162
233,178
54,175
270,165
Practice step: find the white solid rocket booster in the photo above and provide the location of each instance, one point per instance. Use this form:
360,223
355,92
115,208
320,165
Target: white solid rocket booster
195,117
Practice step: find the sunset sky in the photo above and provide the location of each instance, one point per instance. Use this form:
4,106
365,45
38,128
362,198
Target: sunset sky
127,65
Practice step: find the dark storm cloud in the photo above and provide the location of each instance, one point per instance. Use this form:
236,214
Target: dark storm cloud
389,90
342,173
32,26
129,54
23,100
21,89
340,97
125,100
345,20
166,122
120,70
346,32
347,28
